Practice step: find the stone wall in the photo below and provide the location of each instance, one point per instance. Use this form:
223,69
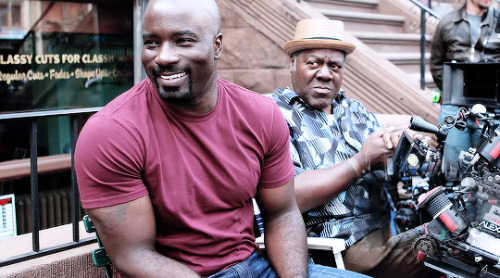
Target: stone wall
72,263
250,59
75,262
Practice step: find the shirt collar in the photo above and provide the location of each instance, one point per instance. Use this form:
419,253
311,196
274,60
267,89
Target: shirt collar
462,14
290,97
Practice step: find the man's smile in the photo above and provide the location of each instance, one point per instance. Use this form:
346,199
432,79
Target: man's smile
172,76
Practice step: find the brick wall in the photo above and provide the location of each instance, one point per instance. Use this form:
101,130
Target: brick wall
250,59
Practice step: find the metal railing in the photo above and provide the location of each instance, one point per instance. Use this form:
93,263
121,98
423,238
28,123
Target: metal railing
75,199
423,20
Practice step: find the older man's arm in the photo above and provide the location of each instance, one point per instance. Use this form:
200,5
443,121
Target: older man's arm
314,188
285,234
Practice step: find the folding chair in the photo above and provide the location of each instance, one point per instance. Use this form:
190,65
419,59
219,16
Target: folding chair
99,256
335,245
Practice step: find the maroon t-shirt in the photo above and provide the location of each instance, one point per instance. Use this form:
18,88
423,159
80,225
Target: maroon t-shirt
200,172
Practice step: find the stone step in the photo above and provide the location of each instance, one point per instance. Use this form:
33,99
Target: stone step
402,49
367,6
366,22
408,62
391,42
429,82
410,58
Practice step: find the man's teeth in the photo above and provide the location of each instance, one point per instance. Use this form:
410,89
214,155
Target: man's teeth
172,77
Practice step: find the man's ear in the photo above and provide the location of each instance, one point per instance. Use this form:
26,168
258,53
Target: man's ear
218,46
292,63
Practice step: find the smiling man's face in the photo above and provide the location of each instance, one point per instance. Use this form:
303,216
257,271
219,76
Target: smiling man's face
181,43
317,76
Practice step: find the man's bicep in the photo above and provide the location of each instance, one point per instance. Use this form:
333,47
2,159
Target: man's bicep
277,200
125,228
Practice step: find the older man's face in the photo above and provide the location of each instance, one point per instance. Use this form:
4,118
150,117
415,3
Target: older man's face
317,76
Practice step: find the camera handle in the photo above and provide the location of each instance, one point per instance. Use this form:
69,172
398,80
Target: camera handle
419,124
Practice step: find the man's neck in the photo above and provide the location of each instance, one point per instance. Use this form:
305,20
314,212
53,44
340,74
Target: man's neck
200,108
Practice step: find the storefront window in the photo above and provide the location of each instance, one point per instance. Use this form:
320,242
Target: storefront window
59,55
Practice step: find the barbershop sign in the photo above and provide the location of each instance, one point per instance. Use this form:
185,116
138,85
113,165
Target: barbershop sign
58,73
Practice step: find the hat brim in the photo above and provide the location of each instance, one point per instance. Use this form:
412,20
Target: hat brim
296,45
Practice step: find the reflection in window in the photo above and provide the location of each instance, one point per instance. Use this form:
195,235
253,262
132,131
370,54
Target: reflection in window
63,54
58,55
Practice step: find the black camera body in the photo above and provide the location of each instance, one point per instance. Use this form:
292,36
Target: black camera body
468,84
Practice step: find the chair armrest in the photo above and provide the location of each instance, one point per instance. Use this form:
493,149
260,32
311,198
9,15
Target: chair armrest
320,243
260,242
99,256
336,245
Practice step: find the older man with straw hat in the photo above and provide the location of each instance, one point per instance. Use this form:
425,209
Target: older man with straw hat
339,149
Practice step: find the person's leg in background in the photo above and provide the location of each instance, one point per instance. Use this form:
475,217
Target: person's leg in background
373,256
455,142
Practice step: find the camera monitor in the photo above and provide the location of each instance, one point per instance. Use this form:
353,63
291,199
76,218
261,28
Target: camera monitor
466,84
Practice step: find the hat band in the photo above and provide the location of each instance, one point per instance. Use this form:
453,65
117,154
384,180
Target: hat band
321,38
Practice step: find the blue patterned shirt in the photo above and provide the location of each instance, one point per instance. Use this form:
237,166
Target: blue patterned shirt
319,140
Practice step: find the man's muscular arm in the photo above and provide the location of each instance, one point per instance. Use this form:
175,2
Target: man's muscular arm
128,233
285,233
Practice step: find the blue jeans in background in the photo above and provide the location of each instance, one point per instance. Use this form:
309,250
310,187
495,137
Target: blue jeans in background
457,140
257,266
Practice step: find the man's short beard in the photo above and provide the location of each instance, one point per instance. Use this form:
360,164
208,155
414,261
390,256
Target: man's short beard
173,95
179,97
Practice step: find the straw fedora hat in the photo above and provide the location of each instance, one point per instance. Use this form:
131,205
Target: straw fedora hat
319,33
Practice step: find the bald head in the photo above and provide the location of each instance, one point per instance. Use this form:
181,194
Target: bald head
181,45
207,10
